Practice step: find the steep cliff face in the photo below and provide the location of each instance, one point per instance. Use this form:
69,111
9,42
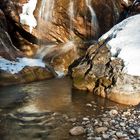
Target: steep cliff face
44,23
61,20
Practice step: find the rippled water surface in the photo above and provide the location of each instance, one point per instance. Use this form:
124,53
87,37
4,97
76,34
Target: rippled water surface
43,110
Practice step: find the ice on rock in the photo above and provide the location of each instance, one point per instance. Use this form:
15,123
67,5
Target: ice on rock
27,17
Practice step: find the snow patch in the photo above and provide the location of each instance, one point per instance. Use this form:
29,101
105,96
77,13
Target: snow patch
27,17
126,39
16,66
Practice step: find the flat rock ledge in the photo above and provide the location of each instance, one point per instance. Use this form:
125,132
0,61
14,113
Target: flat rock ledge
26,75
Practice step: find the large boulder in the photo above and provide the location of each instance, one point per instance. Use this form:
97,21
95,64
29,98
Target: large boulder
111,67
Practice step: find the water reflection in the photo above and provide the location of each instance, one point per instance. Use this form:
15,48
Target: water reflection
39,110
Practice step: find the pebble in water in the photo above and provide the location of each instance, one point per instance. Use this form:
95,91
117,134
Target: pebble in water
113,112
77,130
101,129
138,131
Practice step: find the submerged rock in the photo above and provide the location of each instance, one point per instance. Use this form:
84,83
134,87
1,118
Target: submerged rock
77,130
101,129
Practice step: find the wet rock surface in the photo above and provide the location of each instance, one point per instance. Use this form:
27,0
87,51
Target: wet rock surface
26,75
7,49
96,71
77,130
123,125
58,24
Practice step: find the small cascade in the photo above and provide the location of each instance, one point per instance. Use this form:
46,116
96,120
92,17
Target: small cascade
54,50
94,21
46,10
44,50
46,14
71,16
51,52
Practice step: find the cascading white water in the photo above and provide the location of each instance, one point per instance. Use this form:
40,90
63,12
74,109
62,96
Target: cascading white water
44,50
54,50
46,14
71,16
46,9
94,21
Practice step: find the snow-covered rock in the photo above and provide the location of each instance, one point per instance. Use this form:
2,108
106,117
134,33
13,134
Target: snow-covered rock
126,43
16,66
27,17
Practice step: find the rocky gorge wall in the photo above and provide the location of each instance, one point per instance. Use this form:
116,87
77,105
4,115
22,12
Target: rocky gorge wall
58,27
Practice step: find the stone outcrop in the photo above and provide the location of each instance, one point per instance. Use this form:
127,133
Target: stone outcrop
96,72
26,75
110,67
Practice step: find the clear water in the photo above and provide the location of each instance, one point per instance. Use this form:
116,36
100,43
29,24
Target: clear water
41,110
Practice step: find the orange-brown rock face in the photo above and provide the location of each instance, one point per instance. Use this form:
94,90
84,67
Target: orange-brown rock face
9,53
51,26
7,49
61,21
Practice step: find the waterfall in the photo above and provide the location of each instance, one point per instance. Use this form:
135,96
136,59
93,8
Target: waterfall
46,10
44,50
94,21
46,14
71,16
54,50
